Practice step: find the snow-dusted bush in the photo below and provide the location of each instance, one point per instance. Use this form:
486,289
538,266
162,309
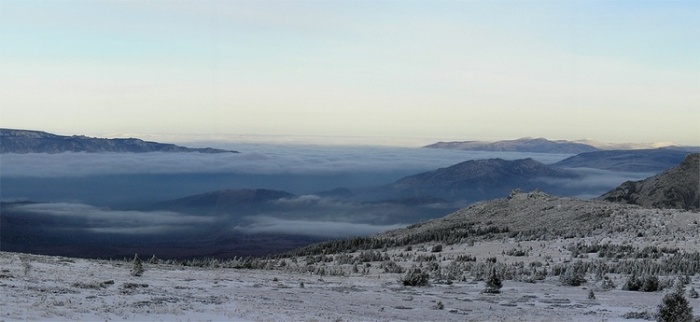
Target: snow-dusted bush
392,267
493,283
93,285
415,277
27,268
517,252
607,283
649,283
440,306
692,293
453,271
674,308
574,275
643,315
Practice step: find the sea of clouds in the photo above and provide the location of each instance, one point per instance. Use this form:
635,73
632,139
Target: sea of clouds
253,159
98,193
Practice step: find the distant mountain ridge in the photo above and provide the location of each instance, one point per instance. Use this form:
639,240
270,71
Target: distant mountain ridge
25,141
642,160
481,179
538,145
542,145
630,145
225,201
678,187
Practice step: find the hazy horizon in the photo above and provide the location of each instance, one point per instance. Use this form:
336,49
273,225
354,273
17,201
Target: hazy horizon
408,72
233,141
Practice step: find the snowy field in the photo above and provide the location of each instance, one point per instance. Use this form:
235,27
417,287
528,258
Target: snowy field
44,288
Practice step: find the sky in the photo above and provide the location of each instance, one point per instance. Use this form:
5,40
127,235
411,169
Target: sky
398,71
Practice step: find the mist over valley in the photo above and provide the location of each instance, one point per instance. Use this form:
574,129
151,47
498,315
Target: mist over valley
266,199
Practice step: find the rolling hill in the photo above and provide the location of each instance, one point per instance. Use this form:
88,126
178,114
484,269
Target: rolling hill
645,160
480,179
678,187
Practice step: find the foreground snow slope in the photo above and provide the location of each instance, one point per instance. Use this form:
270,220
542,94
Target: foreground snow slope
56,288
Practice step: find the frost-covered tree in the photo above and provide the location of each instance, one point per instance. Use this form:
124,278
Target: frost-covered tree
137,269
493,283
415,277
674,308
574,275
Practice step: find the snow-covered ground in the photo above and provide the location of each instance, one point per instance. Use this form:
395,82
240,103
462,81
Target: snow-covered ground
38,288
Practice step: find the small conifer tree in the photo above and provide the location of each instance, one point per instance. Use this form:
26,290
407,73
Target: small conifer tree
591,295
137,269
674,308
493,283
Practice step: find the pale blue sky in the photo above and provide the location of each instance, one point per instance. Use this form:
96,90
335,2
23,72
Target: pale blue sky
614,71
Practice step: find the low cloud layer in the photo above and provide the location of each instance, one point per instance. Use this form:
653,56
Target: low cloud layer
597,179
259,159
326,229
101,220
